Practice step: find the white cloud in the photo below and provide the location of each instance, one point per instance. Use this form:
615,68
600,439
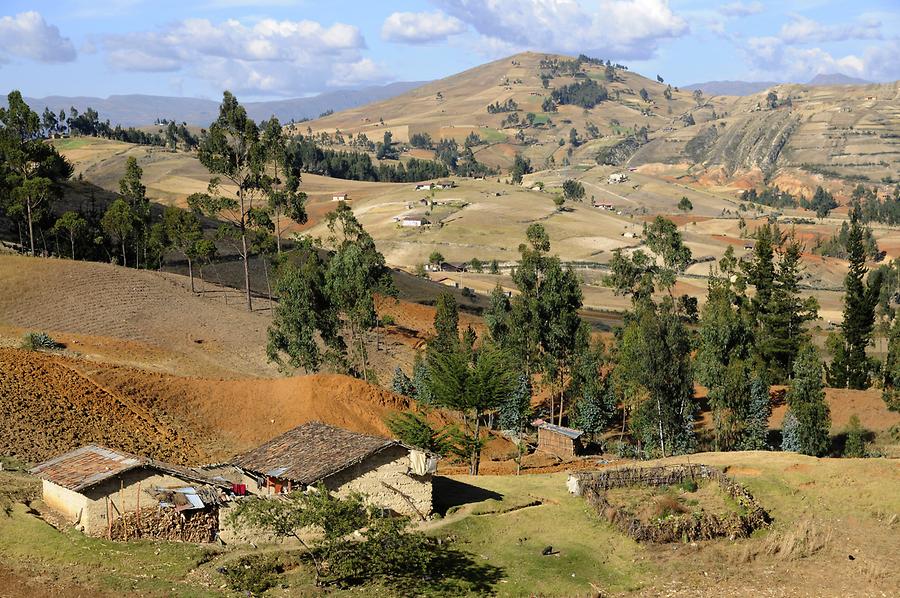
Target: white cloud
421,27
803,30
28,35
741,9
620,29
772,57
268,56
358,73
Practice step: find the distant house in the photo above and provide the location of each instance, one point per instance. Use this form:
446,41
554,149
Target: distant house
454,267
390,474
415,221
616,177
424,186
445,185
447,282
558,440
94,487
342,196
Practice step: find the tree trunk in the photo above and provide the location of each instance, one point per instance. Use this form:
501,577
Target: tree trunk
124,260
72,241
30,227
278,229
476,451
662,442
191,274
246,259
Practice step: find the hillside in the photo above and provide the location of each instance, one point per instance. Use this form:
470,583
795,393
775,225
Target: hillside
50,404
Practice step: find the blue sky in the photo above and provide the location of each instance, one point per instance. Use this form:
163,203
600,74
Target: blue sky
286,48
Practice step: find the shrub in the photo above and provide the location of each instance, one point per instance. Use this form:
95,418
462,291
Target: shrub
388,320
856,442
35,341
253,574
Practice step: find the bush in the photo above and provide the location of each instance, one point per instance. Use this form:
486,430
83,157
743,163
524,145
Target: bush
253,574
856,442
790,433
35,341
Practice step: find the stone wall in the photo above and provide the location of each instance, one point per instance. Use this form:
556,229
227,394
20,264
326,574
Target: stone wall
386,479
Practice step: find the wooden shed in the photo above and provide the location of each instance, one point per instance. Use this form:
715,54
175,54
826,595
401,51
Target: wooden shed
558,440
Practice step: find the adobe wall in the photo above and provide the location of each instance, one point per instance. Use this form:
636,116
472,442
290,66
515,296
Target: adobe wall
390,467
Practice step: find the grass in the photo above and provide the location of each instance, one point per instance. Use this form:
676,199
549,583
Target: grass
73,143
154,567
491,135
512,536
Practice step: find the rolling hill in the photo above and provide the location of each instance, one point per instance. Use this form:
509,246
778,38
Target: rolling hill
138,109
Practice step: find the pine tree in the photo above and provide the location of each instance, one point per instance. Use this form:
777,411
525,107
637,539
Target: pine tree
790,433
423,393
756,430
806,400
891,371
401,384
860,300
446,324
856,442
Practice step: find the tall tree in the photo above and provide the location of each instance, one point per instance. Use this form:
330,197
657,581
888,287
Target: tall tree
285,198
232,149
473,384
133,191
73,224
446,324
183,232
304,316
31,170
118,223
806,401
355,273
850,366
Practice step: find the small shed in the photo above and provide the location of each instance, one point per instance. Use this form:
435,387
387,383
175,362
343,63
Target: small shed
391,474
342,196
445,185
424,186
95,488
558,440
415,221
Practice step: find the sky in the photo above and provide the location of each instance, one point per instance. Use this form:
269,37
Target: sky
267,49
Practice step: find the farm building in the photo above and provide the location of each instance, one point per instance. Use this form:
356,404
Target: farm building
342,196
616,177
447,282
415,221
94,487
454,267
444,185
390,474
559,441
424,186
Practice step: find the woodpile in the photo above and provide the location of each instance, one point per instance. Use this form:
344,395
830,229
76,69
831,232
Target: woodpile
682,528
198,527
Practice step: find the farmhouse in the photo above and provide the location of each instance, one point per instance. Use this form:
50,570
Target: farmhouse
424,186
415,221
445,185
342,196
559,441
616,177
93,487
447,282
390,474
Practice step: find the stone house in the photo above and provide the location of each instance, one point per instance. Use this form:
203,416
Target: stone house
93,487
558,440
415,221
390,474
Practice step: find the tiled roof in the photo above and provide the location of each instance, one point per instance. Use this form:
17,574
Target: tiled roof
89,465
86,466
311,452
568,432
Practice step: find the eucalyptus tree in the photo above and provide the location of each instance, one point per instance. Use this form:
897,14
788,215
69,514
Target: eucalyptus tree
232,150
283,182
183,233
73,224
31,170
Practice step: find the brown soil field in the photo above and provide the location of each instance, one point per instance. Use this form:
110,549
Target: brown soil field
135,317
51,403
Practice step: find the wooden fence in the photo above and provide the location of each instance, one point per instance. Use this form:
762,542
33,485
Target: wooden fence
681,528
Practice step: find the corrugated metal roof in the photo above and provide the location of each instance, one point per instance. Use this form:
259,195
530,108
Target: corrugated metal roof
311,452
568,432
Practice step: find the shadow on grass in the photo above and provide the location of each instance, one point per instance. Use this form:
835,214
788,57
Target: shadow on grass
449,493
452,573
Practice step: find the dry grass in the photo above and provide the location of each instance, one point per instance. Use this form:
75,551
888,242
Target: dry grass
800,540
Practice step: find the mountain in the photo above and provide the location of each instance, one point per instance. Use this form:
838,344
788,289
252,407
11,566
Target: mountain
836,79
731,88
138,110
